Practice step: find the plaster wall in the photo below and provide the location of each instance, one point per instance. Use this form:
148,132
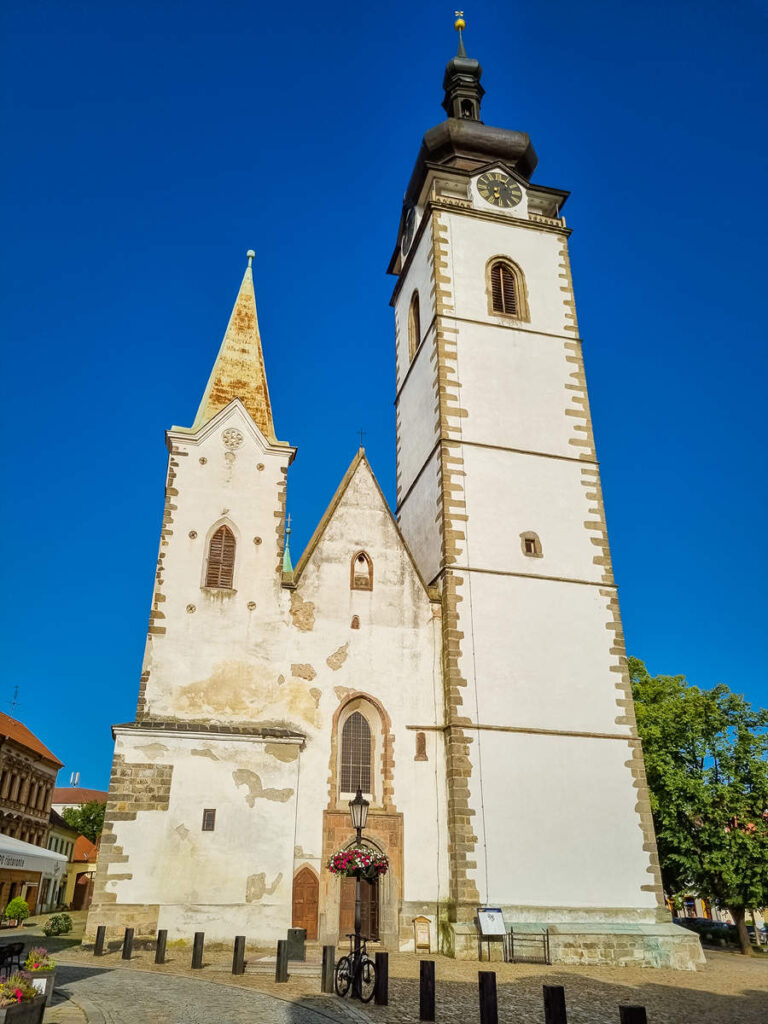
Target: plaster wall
417,517
419,278
537,253
546,496
208,654
522,403
560,828
416,416
542,655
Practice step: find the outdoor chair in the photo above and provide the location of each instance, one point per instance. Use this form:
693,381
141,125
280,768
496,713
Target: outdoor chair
10,956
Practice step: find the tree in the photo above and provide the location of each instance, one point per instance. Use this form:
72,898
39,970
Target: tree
706,758
88,819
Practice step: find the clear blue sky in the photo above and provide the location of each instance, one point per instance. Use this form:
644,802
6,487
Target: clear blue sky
149,145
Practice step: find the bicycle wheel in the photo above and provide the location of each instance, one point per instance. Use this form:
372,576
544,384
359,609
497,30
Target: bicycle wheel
342,976
367,980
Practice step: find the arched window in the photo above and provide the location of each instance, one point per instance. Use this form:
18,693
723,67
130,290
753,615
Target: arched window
531,545
414,326
506,290
220,570
361,572
356,754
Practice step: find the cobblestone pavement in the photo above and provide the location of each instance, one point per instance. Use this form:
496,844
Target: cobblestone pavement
113,996
730,988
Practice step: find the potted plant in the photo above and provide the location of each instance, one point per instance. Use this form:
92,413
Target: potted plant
358,862
41,968
20,1002
16,911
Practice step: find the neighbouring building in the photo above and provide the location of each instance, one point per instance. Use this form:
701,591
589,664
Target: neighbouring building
81,871
31,872
65,797
28,772
461,661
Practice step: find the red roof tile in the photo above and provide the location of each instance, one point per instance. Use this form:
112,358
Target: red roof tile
77,795
19,733
84,849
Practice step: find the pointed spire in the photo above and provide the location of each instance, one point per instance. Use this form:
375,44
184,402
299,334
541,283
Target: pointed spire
463,92
239,368
287,564
460,24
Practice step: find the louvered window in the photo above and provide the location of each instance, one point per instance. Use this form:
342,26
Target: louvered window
356,754
414,326
503,290
220,570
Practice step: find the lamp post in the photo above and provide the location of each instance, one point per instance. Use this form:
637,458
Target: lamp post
358,809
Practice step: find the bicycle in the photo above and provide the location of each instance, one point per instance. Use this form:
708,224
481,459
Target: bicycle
361,975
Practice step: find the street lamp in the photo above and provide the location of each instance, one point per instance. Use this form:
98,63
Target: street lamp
358,809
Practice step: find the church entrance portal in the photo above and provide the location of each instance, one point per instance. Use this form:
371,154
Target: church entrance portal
369,908
305,900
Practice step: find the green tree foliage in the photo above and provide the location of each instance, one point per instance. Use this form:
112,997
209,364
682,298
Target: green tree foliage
706,758
88,819
17,910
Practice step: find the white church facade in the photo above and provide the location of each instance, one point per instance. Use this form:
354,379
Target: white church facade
477,692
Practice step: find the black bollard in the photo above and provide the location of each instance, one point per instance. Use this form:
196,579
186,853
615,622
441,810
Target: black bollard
281,963
238,957
197,951
329,963
162,938
489,1013
381,990
101,934
128,944
554,1005
632,1015
426,990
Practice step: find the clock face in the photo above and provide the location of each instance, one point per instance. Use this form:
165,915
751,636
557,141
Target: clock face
499,189
410,220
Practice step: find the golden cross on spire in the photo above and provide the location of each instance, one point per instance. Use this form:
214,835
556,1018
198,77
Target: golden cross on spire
459,24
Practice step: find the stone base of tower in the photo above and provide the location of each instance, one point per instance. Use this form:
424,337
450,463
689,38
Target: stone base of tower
595,942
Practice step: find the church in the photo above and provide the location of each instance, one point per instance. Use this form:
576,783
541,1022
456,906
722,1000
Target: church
475,690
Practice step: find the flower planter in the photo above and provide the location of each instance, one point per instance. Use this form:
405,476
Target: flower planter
358,862
43,982
29,1012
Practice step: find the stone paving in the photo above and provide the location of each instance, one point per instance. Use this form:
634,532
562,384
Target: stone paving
110,991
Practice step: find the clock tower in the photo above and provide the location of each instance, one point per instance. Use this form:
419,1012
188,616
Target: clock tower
499,500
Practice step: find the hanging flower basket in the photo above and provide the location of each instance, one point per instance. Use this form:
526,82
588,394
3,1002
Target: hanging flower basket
358,862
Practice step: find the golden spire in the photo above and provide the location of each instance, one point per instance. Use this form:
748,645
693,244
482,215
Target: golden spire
460,24
239,368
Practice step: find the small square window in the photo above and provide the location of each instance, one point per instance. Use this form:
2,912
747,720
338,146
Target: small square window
530,546
209,819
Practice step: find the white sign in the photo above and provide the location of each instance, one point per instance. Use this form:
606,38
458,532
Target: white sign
490,922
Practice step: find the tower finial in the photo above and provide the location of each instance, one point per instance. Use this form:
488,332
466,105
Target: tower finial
460,24
287,563
251,256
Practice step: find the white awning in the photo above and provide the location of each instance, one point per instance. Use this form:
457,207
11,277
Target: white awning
19,856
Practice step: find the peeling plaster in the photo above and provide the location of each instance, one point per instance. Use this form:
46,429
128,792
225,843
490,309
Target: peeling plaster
256,791
181,831
302,612
299,854
205,752
316,694
337,659
256,886
303,672
153,750
342,692
282,751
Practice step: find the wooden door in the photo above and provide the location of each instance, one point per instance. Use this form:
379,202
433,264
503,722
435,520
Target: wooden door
305,900
369,908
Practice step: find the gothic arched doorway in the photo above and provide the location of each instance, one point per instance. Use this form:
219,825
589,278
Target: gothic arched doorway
369,908
305,901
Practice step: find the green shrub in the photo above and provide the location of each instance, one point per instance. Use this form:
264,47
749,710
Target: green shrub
17,910
59,924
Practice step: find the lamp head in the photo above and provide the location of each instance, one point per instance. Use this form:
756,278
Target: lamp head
358,808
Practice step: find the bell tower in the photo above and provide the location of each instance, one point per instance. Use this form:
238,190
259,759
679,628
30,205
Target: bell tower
499,499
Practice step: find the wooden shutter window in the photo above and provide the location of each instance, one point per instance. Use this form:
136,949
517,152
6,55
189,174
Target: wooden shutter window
503,290
414,326
220,571
356,754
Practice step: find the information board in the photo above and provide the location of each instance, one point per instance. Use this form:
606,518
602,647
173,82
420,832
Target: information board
490,922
